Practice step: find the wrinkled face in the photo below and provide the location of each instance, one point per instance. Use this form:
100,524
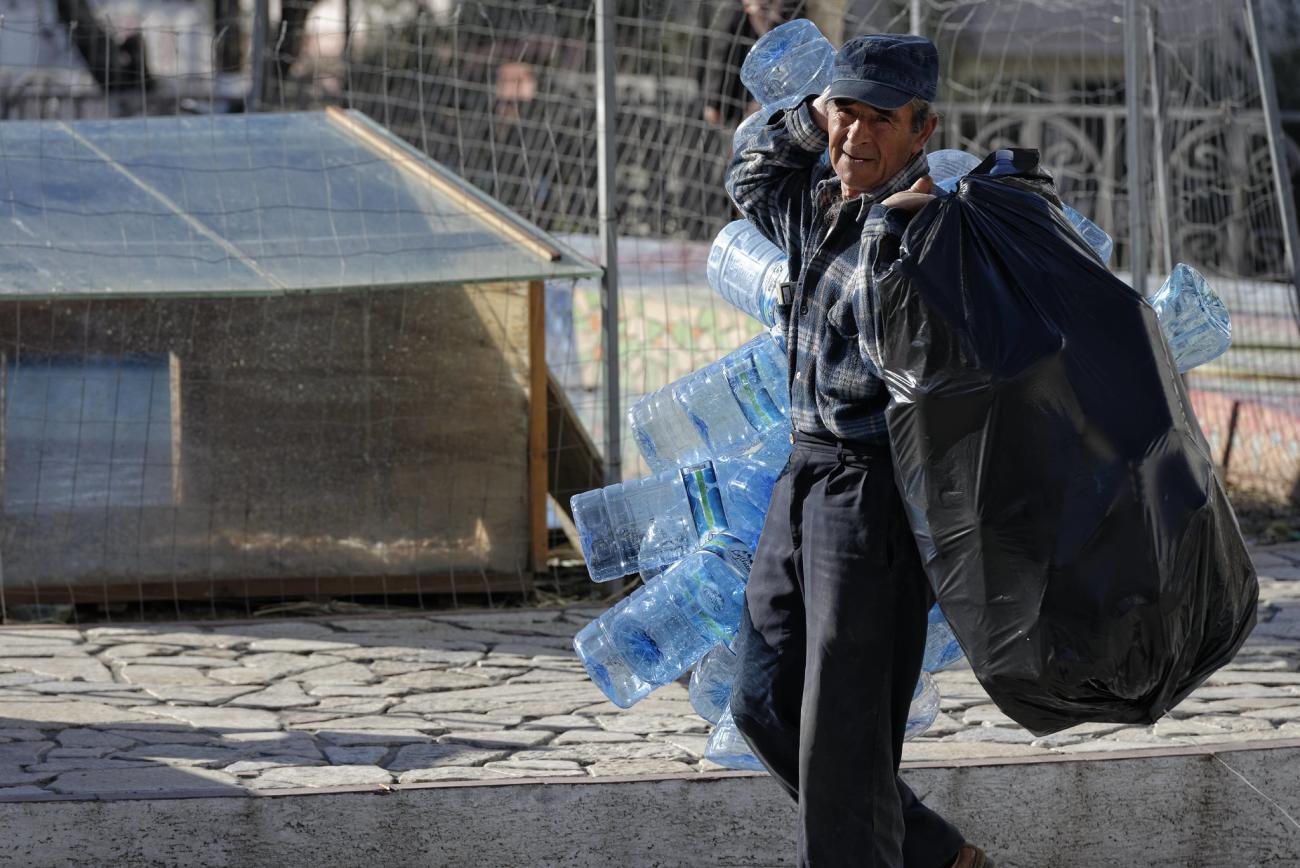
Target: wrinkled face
869,145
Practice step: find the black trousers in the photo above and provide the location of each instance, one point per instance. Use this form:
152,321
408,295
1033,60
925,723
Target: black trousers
830,649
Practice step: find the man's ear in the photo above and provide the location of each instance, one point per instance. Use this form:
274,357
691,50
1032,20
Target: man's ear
931,124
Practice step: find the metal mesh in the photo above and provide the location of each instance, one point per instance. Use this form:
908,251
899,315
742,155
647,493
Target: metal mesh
503,93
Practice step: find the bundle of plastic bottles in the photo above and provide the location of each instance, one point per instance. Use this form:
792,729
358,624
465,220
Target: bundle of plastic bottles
718,438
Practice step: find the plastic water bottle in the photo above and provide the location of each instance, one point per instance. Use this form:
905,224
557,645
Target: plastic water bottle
728,748
664,434
747,270
948,167
924,708
731,406
642,524
951,164
788,63
672,622
710,688
1096,237
606,666
941,646
1192,317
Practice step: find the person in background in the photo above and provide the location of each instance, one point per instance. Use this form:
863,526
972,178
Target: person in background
736,26
833,632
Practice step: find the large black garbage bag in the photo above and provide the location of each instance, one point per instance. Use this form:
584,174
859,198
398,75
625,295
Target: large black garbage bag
1060,489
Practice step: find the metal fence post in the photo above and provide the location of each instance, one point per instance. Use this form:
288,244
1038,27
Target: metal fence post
1281,179
606,152
1133,140
916,18
261,21
1160,161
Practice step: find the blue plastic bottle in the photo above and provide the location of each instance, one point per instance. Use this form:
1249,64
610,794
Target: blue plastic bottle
669,624
606,666
747,270
924,708
722,410
948,167
941,646
642,524
786,64
1192,318
710,687
950,164
728,748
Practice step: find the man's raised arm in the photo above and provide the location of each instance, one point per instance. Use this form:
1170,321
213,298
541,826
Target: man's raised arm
771,179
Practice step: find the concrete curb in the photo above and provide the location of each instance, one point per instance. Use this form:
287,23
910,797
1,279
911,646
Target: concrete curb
1235,807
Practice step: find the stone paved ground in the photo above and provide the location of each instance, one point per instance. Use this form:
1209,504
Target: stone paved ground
471,696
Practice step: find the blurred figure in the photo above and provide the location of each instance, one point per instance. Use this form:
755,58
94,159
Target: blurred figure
516,85
736,26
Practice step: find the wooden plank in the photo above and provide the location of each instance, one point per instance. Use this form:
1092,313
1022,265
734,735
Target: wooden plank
177,430
275,588
576,463
537,440
416,168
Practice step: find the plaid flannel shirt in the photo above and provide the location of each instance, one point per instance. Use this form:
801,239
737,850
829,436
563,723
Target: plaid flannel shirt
836,248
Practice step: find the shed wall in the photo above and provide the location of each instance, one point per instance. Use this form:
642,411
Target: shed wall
363,435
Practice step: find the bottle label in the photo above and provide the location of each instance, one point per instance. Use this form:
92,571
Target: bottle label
751,394
702,493
732,550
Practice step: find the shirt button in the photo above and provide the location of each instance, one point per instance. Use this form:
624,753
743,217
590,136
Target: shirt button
803,310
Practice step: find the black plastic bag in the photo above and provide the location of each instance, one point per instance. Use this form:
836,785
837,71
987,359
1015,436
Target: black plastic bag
1060,489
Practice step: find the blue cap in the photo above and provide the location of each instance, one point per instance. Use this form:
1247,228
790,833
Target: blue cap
886,70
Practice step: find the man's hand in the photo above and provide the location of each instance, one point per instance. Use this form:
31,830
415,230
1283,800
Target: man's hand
817,110
914,199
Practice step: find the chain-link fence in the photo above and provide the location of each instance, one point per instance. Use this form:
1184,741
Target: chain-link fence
503,93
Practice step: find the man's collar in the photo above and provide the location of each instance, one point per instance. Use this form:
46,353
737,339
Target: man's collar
829,190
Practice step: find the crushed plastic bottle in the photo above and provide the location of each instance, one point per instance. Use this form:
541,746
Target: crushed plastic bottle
728,748
1192,318
788,63
941,647
924,708
719,411
671,623
747,270
710,687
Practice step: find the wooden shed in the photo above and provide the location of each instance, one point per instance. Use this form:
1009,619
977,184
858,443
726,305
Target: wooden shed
264,354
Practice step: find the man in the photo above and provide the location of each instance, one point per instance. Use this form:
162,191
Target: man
831,641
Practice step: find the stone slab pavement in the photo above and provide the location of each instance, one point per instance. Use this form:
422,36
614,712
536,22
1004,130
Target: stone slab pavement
104,711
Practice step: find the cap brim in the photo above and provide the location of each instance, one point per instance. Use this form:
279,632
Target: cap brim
870,92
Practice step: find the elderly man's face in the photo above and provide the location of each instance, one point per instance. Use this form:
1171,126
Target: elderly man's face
869,145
